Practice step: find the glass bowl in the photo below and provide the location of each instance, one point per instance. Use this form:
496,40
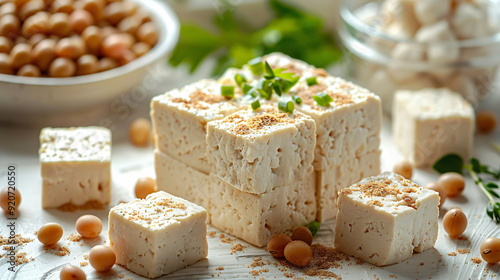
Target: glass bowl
385,55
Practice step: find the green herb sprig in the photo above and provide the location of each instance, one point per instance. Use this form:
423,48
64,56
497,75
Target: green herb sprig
313,227
269,81
292,31
455,163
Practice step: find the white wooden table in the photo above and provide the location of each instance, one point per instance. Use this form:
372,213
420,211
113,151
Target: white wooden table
19,145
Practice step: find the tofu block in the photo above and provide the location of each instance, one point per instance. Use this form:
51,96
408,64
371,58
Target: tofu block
255,218
430,123
75,167
179,118
331,181
255,151
181,180
252,217
349,128
158,235
384,219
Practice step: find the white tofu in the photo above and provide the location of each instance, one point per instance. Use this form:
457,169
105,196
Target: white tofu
251,217
158,235
431,123
431,11
181,180
180,116
349,127
255,218
255,151
331,181
384,219
75,167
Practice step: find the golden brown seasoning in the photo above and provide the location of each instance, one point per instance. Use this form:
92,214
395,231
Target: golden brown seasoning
199,100
306,94
257,122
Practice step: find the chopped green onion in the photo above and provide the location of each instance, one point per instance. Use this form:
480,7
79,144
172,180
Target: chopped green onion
227,91
255,104
277,89
265,88
256,66
240,79
323,99
269,72
311,81
297,99
313,227
246,88
286,105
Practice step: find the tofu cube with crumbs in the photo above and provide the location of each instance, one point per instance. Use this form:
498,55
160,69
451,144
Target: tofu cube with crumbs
180,117
255,151
384,219
158,235
75,167
430,123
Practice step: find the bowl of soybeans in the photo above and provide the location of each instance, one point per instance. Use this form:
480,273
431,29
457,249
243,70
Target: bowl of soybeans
60,56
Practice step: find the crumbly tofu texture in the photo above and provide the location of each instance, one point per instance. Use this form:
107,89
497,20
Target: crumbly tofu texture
180,180
75,166
331,181
158,235
180,117
431,123
251,217
256,151
349,128
384,219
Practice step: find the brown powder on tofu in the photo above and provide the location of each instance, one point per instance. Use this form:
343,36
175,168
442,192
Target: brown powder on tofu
167,202
378,189
375,202
199,99
259,122
306,94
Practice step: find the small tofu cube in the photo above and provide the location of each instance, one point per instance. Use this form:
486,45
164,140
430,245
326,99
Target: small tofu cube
75,167
331,181
158,235
383,219
255,151
255,218
252,217
430,123
179,118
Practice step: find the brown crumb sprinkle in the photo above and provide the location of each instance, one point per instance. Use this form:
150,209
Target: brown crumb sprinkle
237,248
220,268
21,258
464,251
257,122
19,240
63,251
258,272
476,260
212,233
84,264
453,254
75,237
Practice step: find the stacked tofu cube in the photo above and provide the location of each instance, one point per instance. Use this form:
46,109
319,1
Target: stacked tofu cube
263,172
347,132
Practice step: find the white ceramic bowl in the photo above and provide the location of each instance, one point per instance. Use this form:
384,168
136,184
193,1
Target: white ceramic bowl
27,99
